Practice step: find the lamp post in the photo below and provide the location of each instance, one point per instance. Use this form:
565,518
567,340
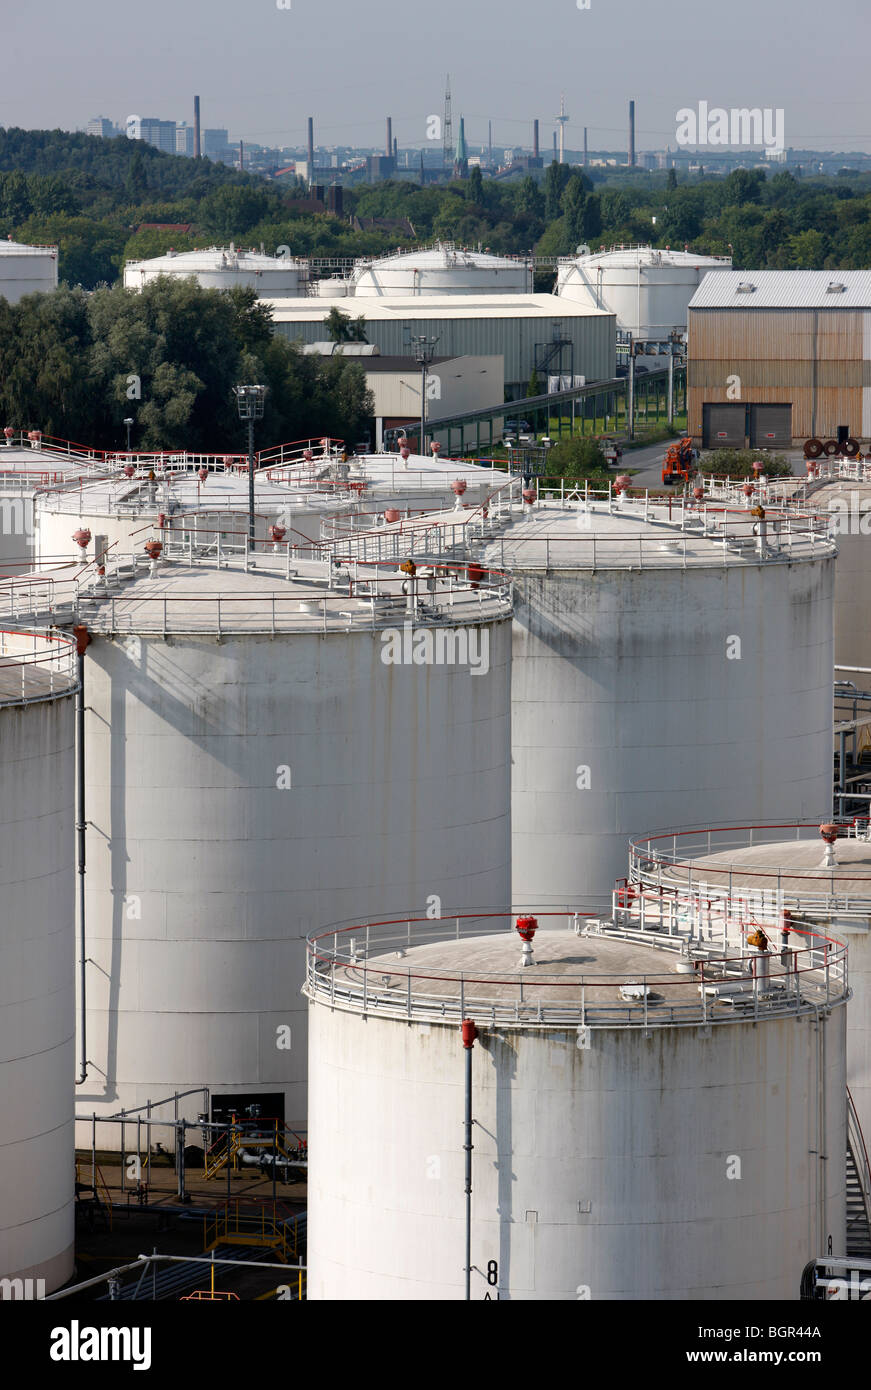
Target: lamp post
129,424
424,351
249,401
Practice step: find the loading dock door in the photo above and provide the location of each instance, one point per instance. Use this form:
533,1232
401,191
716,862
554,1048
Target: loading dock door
770,426
723,426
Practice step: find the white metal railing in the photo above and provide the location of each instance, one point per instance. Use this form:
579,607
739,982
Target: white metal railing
320,592
359,967
678,862
36,666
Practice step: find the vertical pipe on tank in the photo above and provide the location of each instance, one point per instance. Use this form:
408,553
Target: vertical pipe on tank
83,638
469,1034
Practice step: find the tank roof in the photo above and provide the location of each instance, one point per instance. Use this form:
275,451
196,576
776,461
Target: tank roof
646,256
789,860
36,666
188,596
20,248
584,970
444,256
295,484
214,258
648,535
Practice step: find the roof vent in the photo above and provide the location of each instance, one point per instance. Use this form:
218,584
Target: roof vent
745,288
835,287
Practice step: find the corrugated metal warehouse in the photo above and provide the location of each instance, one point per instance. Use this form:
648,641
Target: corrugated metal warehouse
777,356
525,329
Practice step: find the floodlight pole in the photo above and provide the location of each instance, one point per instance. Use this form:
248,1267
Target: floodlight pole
249,400
424,351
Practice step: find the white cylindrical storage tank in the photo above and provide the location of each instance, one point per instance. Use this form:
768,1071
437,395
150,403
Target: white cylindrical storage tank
38,679
26,270
777,868
648,290
615,1104
664,673
254,766
848,502
443,269
334,288
273,277
304,497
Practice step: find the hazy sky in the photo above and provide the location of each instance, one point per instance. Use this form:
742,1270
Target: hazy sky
261,70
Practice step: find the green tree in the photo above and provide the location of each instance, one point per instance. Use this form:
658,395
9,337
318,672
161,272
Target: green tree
475,187
534,387
555,180
342,329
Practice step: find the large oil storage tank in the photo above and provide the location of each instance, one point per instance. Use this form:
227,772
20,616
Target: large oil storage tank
26,270
637,1134
220,268
648,290
260,753
203,496
38,679
442,269
776,869
670,666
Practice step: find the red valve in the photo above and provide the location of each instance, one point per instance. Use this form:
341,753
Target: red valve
526,927
469,1032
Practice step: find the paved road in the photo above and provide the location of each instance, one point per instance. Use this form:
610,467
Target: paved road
646,464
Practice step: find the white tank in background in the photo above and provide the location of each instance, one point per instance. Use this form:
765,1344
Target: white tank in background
26,270
441,269
219,268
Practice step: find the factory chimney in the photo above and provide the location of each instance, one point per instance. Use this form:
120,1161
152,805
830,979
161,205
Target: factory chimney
535,138
388,146
197,149
632,134
585,146
311,149
241,155
395,153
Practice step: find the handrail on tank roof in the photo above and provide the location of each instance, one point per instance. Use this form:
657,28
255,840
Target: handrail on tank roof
348,973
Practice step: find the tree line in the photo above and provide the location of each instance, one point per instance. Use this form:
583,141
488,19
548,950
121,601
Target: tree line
74,365
90,196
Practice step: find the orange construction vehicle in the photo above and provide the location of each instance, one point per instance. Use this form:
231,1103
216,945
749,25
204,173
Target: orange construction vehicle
679,461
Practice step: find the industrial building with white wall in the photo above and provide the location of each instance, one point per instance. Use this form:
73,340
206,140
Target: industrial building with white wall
779,356
530,331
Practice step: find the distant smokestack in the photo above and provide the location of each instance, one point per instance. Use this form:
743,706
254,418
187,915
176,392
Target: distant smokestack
395,151
585,144
241,155
197,150
535,137
311,148
555,151
388,147
632,134
490,143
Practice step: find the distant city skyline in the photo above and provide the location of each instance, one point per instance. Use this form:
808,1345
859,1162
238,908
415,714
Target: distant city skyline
355,65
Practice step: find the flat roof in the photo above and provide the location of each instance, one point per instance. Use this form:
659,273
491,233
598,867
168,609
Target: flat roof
445,306
784,289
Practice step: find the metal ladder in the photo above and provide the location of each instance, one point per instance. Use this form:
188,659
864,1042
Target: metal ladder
858,1186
